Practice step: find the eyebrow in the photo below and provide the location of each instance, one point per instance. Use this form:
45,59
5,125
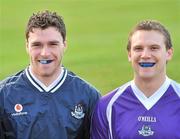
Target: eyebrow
39,42
54,41
157,45
36,42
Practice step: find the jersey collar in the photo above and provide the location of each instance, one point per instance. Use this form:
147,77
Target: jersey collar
149,102
41,87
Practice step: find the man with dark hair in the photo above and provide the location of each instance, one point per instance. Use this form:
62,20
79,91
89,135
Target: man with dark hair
46,101
149,105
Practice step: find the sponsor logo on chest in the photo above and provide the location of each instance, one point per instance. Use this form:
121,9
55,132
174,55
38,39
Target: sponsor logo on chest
18,110
147,119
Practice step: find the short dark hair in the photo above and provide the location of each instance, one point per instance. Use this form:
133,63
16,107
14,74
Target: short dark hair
45,19
149,25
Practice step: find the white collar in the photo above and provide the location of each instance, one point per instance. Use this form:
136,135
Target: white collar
149,102
52,87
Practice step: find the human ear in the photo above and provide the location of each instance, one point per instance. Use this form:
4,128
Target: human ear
169,54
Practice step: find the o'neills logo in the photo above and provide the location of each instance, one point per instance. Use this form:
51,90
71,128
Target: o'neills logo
18,109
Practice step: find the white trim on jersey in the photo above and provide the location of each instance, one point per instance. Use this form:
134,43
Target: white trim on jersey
149,102
109,106
33,83
62,81
176,87
52,87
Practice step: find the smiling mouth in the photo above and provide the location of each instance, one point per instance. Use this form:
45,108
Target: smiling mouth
146,64
45,61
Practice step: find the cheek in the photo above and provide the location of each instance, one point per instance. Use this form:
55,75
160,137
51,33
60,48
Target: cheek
132,58
33,54
59,52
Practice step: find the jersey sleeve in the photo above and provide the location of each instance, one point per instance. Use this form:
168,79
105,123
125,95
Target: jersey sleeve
99,125
93,97
6,128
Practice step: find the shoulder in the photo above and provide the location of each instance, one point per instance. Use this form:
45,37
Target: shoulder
80,84
105,103
102,112
176,87
11,80
112,96
7,85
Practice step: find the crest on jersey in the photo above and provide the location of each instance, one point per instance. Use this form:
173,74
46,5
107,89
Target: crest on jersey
146,131
78,112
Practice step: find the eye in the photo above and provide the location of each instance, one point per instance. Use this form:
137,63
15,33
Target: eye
137,48
54,44
36,44
154,48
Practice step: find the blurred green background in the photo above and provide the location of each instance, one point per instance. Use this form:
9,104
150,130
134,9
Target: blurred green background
97,32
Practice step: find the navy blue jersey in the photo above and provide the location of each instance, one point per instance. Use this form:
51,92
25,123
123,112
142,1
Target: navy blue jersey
126,113
60,111
6,129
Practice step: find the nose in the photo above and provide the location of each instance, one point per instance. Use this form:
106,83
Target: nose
45,51
146,53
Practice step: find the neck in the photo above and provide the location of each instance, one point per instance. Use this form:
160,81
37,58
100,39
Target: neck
149,86
47,79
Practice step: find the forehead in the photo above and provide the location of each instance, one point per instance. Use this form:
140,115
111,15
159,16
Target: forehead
45,34
144,37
